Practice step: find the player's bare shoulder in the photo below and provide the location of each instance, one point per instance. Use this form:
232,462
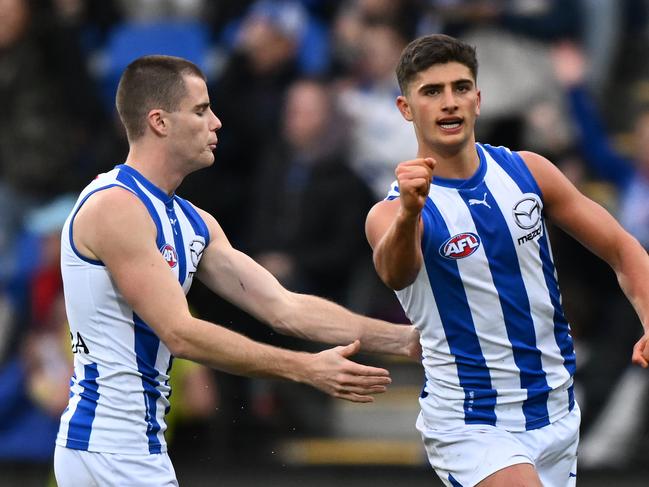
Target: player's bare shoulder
379,219
554,185
106,215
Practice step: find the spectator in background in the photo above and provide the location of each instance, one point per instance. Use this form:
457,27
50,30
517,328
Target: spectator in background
379,136
621,417
34,378
306,228
36,155
310,205
249,93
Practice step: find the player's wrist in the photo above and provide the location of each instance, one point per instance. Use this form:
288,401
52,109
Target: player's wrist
407,215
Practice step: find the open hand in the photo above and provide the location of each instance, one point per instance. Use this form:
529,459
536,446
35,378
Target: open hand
332,372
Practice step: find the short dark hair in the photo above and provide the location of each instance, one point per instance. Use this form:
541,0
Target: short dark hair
151,82
432,49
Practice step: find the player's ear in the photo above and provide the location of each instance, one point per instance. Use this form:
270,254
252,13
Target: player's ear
157,121
404,107
479,101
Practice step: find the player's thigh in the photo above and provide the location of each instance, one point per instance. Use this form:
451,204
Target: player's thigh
469,454
70,470
521,475
74,468
556,444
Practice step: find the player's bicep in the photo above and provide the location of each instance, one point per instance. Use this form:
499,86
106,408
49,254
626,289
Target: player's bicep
379,219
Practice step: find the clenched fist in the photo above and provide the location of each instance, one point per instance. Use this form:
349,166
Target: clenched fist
414,179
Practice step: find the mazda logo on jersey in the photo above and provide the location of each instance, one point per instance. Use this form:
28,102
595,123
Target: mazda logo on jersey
527,212
169,254
460,246
196,250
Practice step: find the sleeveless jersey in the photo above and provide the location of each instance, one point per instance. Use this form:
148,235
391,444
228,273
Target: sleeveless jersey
119,393
496,345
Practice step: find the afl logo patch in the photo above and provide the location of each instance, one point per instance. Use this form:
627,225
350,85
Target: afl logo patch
169,254
460,246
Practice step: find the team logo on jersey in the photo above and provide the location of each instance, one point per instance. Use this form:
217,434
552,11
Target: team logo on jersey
169,254
527,212
460,246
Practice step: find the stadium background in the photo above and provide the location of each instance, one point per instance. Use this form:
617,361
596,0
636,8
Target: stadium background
295,172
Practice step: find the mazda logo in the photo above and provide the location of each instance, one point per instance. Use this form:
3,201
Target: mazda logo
527,212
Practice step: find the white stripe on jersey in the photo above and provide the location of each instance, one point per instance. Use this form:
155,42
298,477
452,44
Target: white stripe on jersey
119,392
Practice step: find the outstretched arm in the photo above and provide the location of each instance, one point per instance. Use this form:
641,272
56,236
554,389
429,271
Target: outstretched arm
239,279
598,231
143,278
394,227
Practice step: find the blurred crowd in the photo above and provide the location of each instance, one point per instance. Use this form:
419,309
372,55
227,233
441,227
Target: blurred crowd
311,135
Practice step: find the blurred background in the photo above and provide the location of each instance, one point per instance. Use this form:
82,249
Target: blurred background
311,135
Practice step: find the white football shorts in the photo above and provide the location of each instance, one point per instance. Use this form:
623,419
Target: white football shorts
76,468
465,456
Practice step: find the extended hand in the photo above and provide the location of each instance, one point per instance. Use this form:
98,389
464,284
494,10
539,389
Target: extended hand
333,373
641,352
414,345
414,179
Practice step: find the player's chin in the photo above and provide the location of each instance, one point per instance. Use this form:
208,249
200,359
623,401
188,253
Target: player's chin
208,158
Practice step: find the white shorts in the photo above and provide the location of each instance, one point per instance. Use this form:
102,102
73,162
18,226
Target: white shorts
79,468
465,456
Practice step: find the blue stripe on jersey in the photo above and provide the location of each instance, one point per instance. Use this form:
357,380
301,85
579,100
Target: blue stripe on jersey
561,327
571,397
171,362
127,178
80,424
446,284
146,351
152,188
195,219
178,242
72,245
514,301
453,482
516,168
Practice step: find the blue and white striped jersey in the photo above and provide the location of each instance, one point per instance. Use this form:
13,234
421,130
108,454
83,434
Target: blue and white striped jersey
119,393
496,345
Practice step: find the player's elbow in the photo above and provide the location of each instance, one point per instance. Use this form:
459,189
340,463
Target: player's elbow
397,282
396,277
281,318
178,341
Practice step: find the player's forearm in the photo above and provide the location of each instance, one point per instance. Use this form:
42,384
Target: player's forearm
632,268
316,319
397,256
225,350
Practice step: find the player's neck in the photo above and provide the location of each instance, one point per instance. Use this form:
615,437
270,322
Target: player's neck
456,163
153,166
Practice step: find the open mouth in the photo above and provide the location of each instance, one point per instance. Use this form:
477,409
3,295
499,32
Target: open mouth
450,125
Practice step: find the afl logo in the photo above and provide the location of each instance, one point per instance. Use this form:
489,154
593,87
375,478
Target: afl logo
527,212
460,246
169,254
